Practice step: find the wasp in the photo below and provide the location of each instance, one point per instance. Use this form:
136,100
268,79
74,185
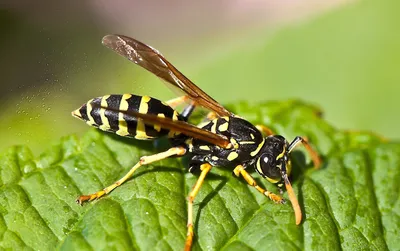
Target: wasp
223,139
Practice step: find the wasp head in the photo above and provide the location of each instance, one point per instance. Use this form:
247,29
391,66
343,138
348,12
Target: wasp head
273,162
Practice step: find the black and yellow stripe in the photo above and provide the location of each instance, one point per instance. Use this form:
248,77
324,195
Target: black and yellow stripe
95,113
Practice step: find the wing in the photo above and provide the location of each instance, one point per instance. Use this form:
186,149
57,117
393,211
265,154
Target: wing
152,60
177,126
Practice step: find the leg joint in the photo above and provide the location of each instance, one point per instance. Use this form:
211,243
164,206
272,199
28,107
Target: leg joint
190,198
238,170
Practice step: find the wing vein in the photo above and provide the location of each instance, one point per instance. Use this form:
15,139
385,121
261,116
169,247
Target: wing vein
154,62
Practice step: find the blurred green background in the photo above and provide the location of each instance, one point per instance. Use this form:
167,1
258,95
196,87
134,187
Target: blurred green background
343,56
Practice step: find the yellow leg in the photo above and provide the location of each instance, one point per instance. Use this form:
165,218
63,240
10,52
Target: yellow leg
239,170
314,155
205,168
177,101
143,161
265,130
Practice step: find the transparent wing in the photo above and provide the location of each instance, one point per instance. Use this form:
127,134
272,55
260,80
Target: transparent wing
176,126
152,60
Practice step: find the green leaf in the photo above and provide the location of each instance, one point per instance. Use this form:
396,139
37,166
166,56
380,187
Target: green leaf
352,203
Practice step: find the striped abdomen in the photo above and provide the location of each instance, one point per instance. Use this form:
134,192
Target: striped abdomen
96,114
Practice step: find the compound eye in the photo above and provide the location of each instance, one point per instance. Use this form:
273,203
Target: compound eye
266,160
267,167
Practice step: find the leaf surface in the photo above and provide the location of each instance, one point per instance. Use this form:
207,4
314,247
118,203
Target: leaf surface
351,203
